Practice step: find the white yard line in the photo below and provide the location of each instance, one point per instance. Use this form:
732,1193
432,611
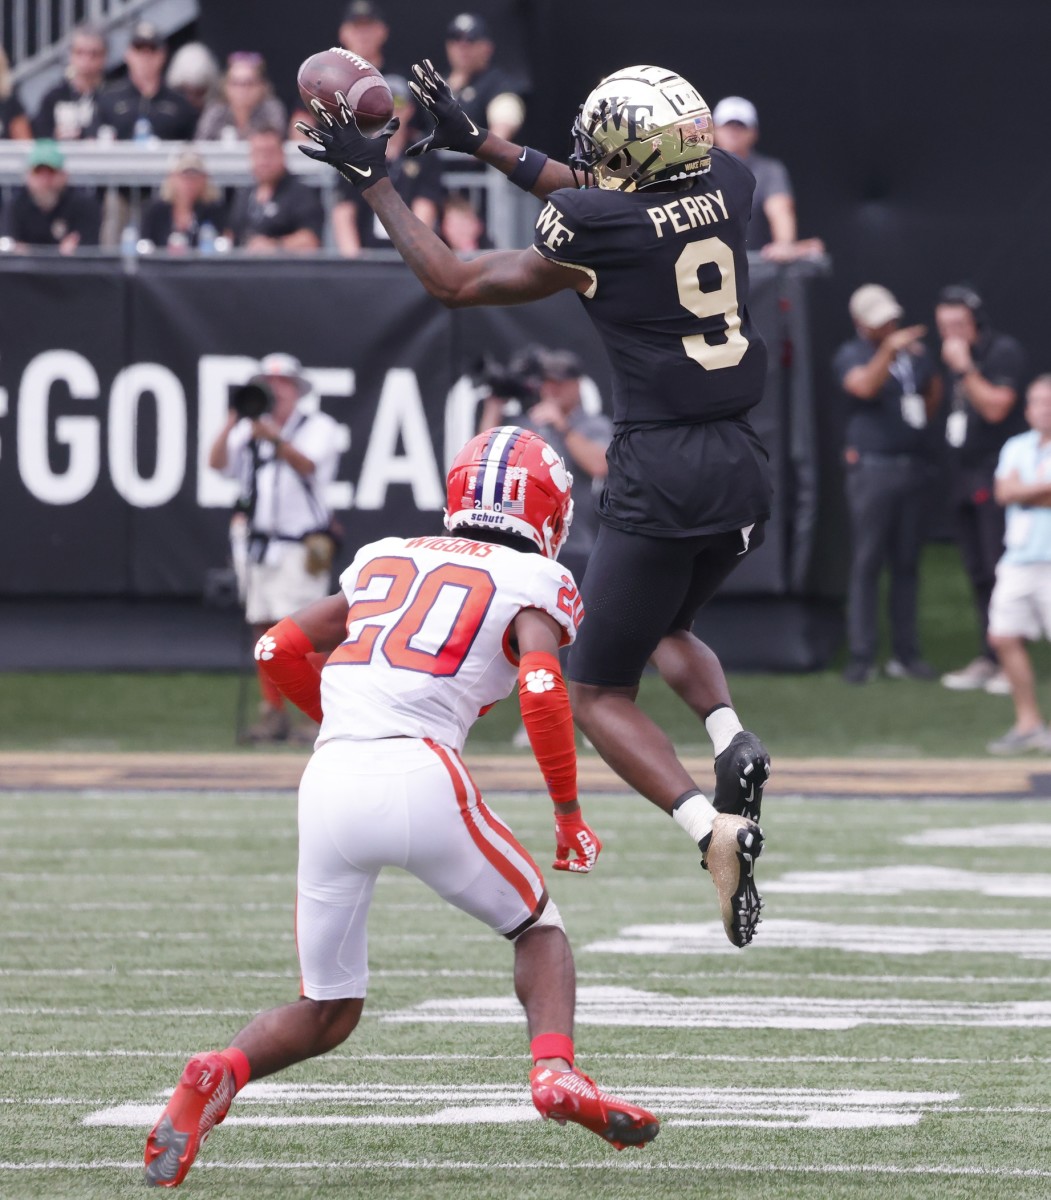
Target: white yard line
772,1059
616,1165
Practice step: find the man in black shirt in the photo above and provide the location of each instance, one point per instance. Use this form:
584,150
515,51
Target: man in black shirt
47,211
279,213
141,106
985,380
892,391
487,94
68,109
656,251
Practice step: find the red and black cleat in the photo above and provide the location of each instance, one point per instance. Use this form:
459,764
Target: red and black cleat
571,1096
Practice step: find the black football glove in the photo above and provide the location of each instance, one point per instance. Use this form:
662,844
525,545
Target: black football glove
453,128
359,159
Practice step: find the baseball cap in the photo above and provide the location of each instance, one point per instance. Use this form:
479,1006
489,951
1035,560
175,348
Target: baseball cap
46,153
736,108
467,27
188,160
145,33
559,365
282,366
873,305
362,10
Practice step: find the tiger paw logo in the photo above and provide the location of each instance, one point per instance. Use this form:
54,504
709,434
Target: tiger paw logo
264,648
539,681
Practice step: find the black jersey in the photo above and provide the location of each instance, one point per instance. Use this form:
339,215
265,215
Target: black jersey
669,292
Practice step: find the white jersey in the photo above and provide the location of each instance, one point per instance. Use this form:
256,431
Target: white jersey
428,635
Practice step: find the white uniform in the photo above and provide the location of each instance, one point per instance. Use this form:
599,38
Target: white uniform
427,651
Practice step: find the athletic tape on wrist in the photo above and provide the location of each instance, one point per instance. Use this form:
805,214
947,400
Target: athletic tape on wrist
527,168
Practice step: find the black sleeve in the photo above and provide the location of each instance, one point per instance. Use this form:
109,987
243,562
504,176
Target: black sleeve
1005,364
214,214
86,219
843,361
236,220
156,223
103,114
44,121
307,212
7,218
429,181
187,122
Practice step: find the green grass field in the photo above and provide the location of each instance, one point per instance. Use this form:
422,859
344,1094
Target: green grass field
886,1036
795,714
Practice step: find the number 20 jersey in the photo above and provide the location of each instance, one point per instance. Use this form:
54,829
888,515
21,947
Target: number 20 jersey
428,635
668,293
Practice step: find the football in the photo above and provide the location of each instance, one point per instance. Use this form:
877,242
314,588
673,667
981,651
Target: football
339,70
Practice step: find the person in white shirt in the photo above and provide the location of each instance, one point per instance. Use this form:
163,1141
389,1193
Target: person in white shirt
281,542
1020,607
426,633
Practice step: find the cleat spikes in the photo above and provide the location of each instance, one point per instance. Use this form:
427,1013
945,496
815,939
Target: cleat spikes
730,859
199,1103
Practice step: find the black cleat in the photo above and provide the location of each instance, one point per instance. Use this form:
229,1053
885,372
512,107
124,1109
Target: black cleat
741,773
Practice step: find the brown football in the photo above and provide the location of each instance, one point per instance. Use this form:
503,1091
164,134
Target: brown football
339,70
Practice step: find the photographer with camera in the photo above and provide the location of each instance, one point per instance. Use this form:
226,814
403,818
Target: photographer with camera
539,389
284,451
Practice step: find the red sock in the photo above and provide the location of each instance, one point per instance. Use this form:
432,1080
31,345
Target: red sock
238,1064
272,697
552,1045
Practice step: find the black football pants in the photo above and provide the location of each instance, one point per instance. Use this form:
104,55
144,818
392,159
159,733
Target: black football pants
639,588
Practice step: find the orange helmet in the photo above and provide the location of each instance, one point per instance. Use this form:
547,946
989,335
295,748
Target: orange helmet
509,478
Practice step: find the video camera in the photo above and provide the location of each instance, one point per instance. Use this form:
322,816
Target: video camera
518,380
251,400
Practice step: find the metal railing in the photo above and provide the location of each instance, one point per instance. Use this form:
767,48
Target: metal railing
36,33
32,28
137,171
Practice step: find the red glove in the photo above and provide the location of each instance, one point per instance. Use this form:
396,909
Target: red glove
573,836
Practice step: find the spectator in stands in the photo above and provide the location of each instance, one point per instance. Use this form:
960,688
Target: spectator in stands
487,94
1020,607
278,213
364,32
985,375
188,203
462,229
142,106
418,181
772,230
194,73
548,386
892,390
13,120
283,459
246,101
68,109
47,211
